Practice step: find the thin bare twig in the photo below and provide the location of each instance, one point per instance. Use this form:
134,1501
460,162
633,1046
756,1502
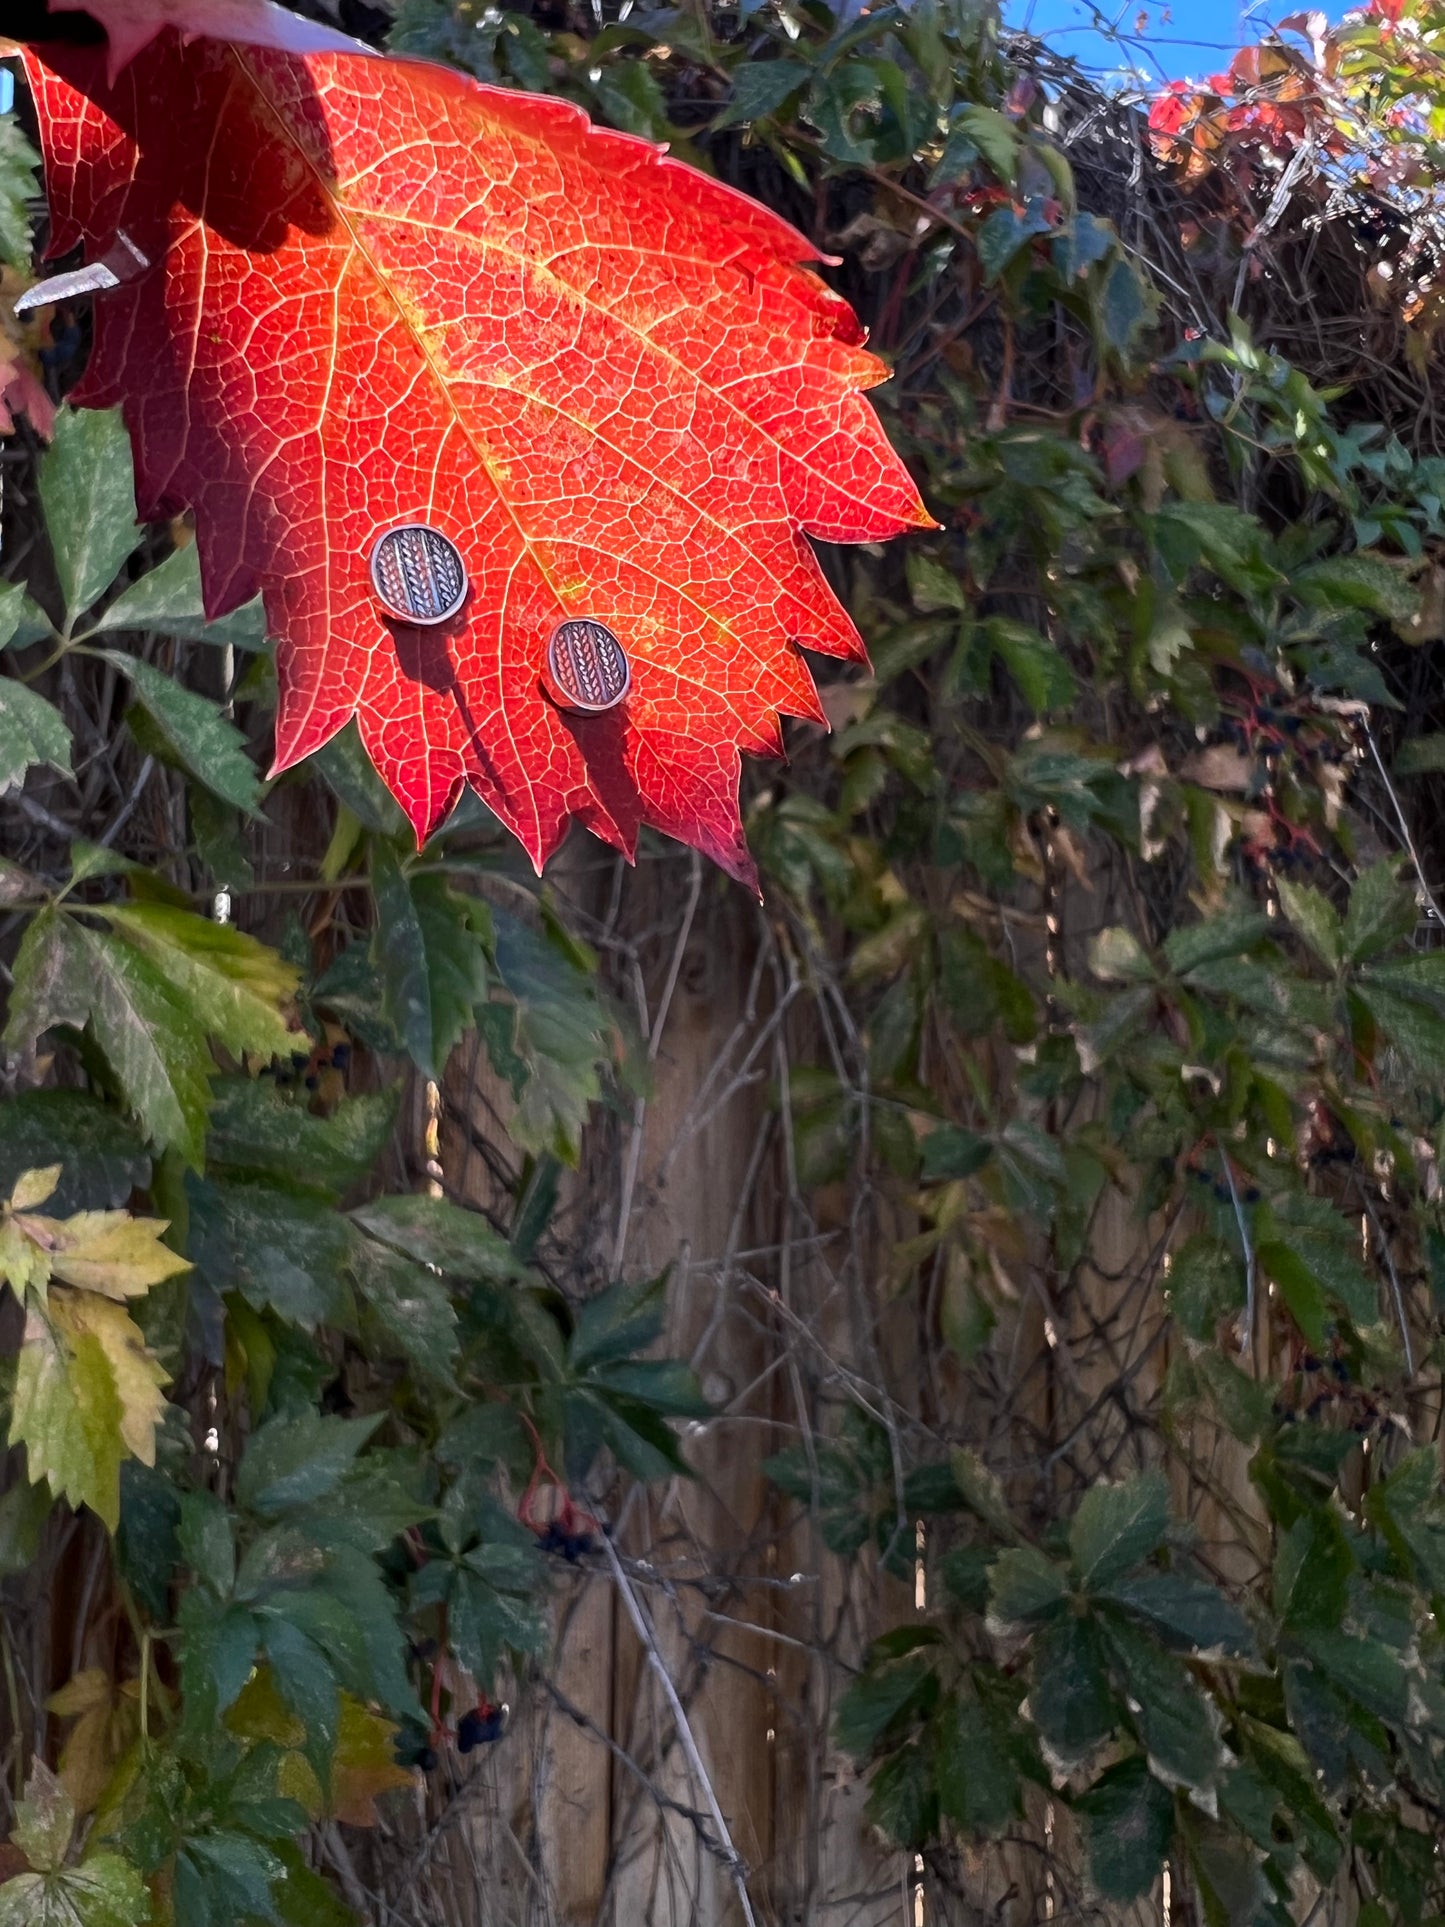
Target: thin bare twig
642,1626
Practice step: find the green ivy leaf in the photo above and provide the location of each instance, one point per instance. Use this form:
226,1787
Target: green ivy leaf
618,1322
1365,1669
102,1160
1046,680
1409,1509
225,1876
281,1250
1178,1724
308,1685
1070,1701
193,731
1083,244
1316,919
460,1243
21,621
1311,1573
206,1540
1299,1288
978,1776
1186,1612
66,973
903,1800
994,135
1219,536
486,1621
430,948
1381,913
932,585
87,490
1231,1885
1004,236
351,776
412,1314
31,731
760,88
1282,1762
631,97
1117,1527
638,1438
1128,1824
949,1151
292,1462
259,1131
552,1042
1230,934
1412,1025
1205,1285
1123,305
1360,581
1025,1586
892,1693
167,601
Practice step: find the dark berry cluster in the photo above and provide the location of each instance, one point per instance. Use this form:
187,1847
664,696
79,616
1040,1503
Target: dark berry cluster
481,1726
558,1536
307,1066
1248,1191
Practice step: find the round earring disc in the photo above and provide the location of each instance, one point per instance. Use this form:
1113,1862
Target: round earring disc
418,574
587,666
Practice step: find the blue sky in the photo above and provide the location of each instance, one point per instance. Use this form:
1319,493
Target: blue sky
1185,38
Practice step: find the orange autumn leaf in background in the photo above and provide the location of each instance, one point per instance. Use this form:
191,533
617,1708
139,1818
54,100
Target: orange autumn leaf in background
381,294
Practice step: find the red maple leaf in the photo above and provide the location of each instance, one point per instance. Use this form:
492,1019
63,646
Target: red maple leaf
382,294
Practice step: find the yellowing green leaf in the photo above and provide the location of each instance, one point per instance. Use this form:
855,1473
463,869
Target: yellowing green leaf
260,1713
296,1780
107,1719
32,1188
67,1414
113,1253
24,1265
235,987
364,1764
139,1376
87,1392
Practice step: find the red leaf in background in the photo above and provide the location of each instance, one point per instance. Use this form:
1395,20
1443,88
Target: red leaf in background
22,393
386,294
1169,111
